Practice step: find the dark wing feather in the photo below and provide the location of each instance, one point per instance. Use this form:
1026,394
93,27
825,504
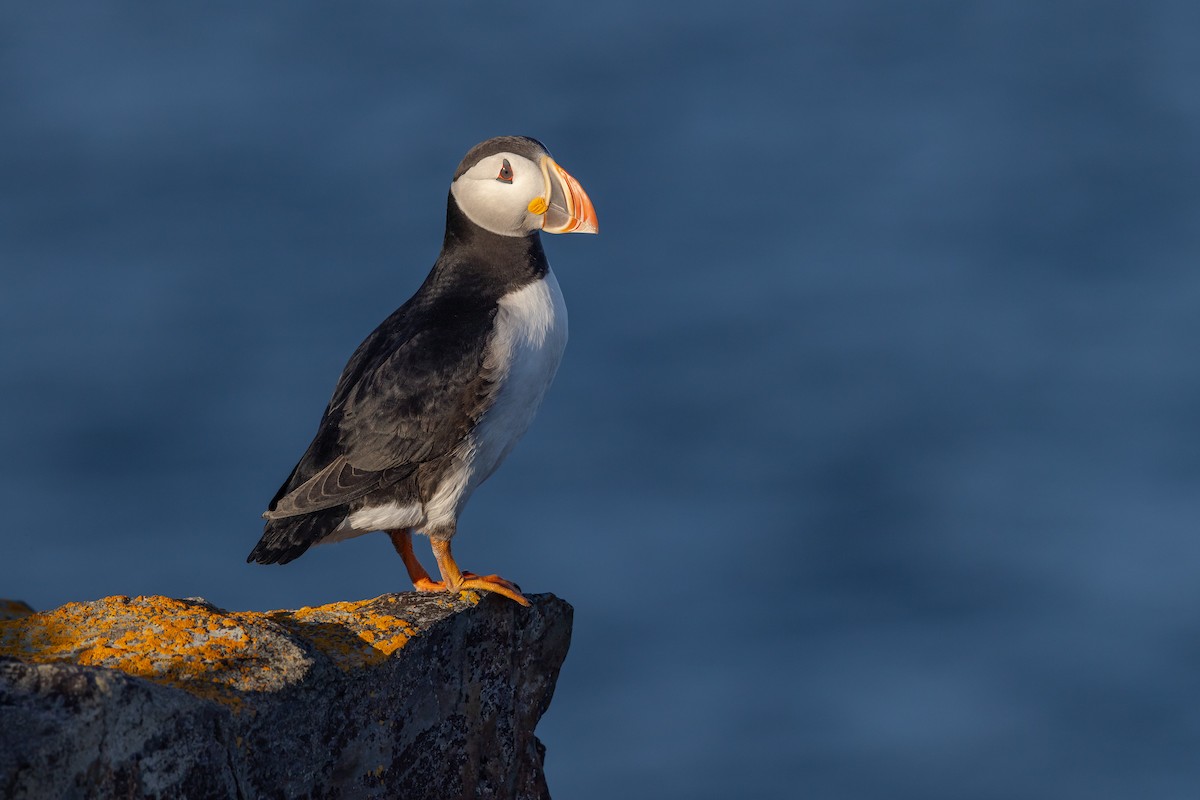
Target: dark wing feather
408,395
338,483
420,402
285,540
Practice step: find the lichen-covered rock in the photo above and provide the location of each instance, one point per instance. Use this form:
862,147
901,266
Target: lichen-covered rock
403,696
14,609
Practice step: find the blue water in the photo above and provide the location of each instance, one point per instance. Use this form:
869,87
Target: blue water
872,467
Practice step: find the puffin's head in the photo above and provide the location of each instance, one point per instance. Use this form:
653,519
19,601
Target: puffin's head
511,186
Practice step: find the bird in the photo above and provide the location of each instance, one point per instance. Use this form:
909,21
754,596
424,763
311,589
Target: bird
435,398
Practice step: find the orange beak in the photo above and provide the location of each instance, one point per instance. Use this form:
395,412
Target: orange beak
569,210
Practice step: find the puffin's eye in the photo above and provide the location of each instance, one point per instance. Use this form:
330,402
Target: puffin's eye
505,175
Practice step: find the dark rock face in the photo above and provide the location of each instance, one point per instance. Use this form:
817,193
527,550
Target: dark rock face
405,696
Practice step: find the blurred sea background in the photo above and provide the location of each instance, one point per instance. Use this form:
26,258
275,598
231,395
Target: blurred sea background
871,469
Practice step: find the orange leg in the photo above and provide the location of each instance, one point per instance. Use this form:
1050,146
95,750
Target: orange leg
454,580
402,541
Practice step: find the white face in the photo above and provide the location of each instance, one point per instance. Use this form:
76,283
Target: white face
495,194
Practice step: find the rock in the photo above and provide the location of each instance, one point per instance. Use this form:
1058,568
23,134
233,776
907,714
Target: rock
14,609
403,696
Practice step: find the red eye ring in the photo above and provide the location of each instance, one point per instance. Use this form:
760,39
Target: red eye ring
506,173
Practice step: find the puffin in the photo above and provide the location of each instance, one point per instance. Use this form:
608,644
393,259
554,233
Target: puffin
435,398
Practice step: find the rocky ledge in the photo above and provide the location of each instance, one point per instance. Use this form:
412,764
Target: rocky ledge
403,696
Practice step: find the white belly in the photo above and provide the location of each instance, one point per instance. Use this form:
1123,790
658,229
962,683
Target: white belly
531,334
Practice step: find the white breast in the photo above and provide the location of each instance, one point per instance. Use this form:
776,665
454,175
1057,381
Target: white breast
527,344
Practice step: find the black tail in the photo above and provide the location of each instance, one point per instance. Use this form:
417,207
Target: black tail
286,539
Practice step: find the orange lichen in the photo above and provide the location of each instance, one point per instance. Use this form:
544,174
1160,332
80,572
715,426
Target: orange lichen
204,650
350,633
